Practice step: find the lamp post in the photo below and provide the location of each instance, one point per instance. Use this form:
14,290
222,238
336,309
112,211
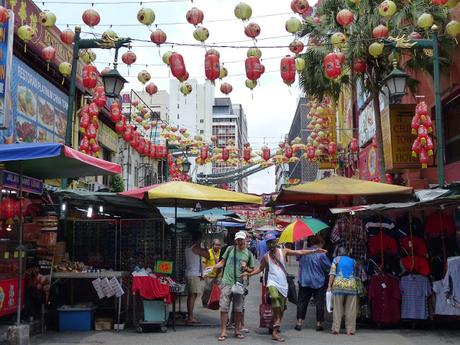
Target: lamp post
113,81
394,79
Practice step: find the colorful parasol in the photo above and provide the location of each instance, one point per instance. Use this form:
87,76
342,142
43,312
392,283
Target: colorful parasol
314,224
296,231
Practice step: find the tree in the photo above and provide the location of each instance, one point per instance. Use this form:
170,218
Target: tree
321,28
116,184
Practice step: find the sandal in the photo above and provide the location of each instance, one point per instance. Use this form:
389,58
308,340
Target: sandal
281,340
222,338
298,327
244,330
239,336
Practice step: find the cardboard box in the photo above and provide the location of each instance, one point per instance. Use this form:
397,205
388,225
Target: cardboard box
103,324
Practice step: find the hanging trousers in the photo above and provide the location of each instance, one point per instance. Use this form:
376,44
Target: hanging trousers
305,294
344,304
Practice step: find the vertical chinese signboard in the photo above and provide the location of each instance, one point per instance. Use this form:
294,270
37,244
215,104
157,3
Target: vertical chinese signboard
6,55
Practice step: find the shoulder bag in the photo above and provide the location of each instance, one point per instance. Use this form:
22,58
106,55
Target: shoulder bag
237,287
292,290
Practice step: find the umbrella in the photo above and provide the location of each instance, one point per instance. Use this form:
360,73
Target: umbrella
296,231
314,224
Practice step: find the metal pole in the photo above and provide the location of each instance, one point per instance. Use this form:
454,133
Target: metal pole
438,109
20,249
72,87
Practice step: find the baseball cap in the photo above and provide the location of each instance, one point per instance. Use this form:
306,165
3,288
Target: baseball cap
270,237
240,235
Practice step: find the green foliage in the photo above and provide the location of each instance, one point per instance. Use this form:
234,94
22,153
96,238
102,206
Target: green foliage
359,33
116,184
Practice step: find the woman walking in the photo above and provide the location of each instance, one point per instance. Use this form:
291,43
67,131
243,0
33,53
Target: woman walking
342,284
312,282
277,285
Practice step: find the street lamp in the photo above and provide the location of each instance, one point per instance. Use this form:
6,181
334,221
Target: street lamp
113,83
396,83
186,166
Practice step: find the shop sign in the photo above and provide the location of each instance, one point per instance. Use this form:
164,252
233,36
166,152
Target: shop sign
366,124
345,117
6,56
397,137
28,13
107,137
368,163
39,108
9,296
10,180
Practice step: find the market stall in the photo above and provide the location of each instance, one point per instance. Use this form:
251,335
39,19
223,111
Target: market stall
40,161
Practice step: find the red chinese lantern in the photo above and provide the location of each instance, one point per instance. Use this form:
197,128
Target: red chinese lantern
389,178
299,6
332,148
184,77
48,54
195,16
95,148
67,36
212,66
4,15
129,57
380,31
266,154
128,134
84,144
151,89
204,153
8,206
439,2
252,30
287,151
311,152
115,112
354,147
158,37
296,46
120,127
99,96
423,159
332,66
226,88
344,17
247,154
89,76
91,17
225,154
287,69
93,109
84,121
359,66
91,132
177,65
253,68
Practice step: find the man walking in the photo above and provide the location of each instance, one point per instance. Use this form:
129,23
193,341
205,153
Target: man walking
210,275
236,260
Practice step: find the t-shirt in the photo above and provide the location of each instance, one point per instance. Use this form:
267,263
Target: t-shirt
442,305
415,289
385,298
229,271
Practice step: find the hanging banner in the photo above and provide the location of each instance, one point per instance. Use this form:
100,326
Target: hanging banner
9,295
6,56
368,163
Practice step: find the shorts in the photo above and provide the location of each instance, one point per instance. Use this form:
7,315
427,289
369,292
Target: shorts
194,285
227,297
277,300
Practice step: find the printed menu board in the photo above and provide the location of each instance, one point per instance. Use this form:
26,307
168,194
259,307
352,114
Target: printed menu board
39,108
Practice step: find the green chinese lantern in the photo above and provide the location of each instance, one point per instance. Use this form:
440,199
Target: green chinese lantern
387,8
453,28
223,72
376,49
166,57
65,69
88,56
425,21
293,25
254,51
299,64
243,11
201,34
110,35
26,34
339,40
185,88
251,84
47,18
146,16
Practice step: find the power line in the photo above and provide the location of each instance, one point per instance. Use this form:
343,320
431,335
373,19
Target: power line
93,3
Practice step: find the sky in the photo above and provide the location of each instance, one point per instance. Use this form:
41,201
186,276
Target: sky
269,108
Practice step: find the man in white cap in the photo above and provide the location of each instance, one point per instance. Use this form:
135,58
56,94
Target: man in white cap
236,260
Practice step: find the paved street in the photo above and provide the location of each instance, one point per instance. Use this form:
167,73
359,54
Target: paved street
209,331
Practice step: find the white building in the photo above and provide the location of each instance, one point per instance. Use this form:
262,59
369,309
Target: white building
158,103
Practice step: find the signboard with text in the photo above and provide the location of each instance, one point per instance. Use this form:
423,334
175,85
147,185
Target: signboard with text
9,296
10,180
6,56
368,162
39,108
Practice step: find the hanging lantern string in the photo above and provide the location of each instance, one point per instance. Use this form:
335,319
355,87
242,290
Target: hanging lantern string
196,77
93,3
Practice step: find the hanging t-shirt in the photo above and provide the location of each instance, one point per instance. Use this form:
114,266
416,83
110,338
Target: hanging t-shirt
245,255
385,298
442,306
415,289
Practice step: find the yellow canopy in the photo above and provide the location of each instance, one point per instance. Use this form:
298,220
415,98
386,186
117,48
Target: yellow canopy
329,190
186,194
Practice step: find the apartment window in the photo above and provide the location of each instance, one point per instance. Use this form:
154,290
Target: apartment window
178,106
201,121
201,131
178,116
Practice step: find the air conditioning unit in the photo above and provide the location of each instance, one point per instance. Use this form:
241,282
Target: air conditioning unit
95,186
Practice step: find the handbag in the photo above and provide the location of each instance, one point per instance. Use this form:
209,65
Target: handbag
292,290
265,311
214,297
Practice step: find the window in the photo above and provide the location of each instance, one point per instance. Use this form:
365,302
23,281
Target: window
177,116
178,106
201,131
201,121
452,131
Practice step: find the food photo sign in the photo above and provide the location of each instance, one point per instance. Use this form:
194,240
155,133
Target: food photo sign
39,108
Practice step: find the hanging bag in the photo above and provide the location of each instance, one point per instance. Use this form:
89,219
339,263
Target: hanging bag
292,290
214,297
237,288
265,311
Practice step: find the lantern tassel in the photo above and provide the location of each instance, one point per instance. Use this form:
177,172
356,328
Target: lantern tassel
48,66
25,47
63,80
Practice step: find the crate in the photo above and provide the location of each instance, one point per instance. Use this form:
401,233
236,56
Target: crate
75,319
103,324
154,311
